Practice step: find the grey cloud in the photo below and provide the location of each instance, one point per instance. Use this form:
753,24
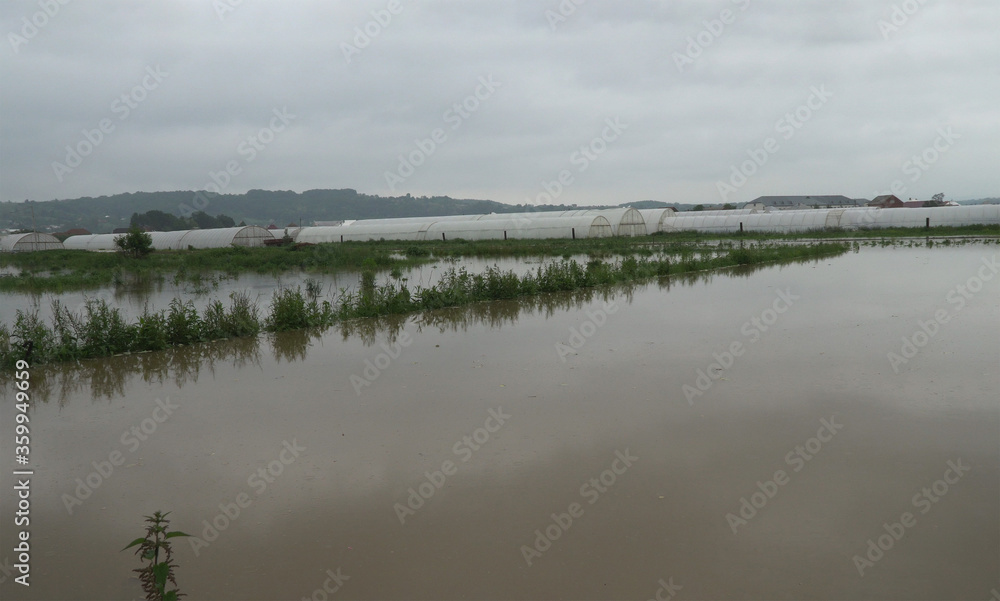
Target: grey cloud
608,59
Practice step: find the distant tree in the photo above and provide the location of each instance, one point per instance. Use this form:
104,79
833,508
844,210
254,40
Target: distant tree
939,197
158,221
699,208
165,222
203,220
728,207
135,244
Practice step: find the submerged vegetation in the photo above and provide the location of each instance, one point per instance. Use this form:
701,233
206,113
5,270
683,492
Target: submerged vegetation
102,330
67,270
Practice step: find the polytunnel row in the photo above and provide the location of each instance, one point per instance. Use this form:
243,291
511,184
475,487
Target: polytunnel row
587,223
820,219
250,235
579,223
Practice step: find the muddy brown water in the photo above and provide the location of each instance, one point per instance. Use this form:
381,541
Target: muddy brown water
597,470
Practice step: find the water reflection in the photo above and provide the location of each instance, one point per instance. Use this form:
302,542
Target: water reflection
369,331
108,377
294,345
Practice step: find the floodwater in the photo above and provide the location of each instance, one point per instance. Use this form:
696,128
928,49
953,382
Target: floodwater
491,453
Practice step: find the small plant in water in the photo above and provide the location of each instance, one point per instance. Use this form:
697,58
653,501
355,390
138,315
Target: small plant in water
156,573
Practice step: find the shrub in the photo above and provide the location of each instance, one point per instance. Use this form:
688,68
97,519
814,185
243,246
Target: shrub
134,244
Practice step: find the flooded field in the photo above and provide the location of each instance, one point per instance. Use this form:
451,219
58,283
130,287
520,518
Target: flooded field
157,295
827,430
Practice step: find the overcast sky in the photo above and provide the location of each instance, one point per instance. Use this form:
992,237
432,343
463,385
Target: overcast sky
670,100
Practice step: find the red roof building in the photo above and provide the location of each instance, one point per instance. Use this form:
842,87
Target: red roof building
887,201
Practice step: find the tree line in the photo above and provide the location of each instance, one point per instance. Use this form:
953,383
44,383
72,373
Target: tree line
160,221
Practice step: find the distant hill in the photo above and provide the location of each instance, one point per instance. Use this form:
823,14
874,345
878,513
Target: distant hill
980,201
647,204
256,207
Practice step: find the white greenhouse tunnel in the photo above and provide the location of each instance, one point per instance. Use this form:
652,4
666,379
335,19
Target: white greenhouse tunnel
250,236
624,222
28,242
494,228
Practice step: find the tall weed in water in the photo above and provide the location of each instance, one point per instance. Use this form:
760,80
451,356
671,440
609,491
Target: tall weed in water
104,330
243,318
183,324
291,311
151,331
155,551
